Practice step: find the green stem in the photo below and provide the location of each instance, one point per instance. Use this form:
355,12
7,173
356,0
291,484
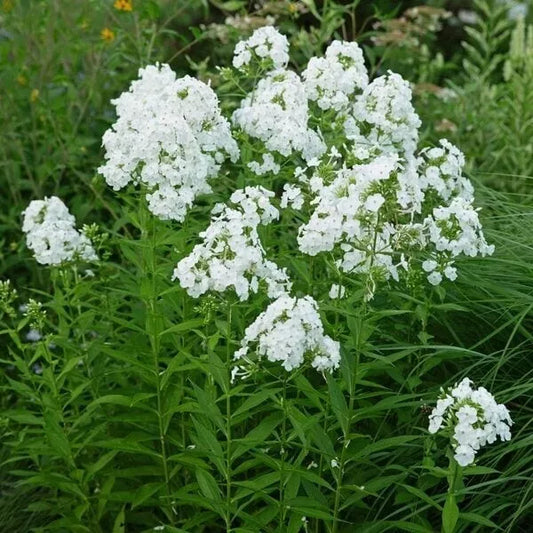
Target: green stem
282,506
450,512
321,461
153,330
81,329
345,439
228,517
341,467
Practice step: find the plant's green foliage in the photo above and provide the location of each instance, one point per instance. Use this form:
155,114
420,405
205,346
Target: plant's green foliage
123,417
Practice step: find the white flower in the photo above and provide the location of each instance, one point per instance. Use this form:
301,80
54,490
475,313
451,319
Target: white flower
516,10
377,205
337,291
435,423
374,202
347,214
276,112
51,233
292,195
269,165
373,212
435,278
231,254
451,273
464,455
440,170
474,418
333,81
290,331
456,229
429,265
264,43
383,119
33,335
170,137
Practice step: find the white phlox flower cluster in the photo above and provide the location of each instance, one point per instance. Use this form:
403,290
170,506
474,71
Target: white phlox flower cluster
231,254
472,418
383,120
266,43
268,165
292,196
51,233
276,112
169,137
290,331
390,213
333,81
347,213
386,207
441,169
454,230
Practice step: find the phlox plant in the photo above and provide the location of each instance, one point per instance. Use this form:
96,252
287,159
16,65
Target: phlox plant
246,348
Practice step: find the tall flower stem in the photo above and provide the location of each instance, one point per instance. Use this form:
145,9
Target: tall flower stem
346,431
228,517
345,444
153,322
450,511
282,506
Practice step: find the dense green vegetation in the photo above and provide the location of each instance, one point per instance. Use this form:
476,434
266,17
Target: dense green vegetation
121,415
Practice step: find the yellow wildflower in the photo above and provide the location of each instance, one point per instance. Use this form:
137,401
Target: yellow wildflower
21,79
34,95
7,5
107,35
123,5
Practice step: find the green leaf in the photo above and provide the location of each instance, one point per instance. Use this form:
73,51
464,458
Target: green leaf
479,471
391,442
206,440
219,371
255,399
56,437
450,514
183,326
151,10
144,493
120,522
229,5
71,364
257,435
102,461
422,495
478,519
127,444
208,485
338,404
312,7
207,406
22,417
119,399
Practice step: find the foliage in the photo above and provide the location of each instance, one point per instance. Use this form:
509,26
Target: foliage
118,409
